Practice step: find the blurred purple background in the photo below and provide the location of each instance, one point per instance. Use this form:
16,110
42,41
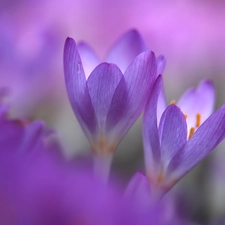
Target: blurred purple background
189,33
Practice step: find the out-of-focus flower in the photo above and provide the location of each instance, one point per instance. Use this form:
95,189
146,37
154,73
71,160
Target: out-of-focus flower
164,212
27,55
107,102
19,136
168,153
40,188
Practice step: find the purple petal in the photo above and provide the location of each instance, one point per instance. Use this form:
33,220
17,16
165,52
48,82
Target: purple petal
3,111
150,131
172,133
33,135
19,138
138,190
204,140
139,78
77,88
125,49
161,63
161,105
102,84
198,100
11,135
118,107
88,57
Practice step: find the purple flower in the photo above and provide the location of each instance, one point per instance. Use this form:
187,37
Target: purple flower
19,136
170,152
106,101
45,189
197,104
164,212
31,49
66,196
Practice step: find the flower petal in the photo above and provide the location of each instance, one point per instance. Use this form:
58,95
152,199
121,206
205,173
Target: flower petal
150,131
172,133
102,84
161,105
118,108
11,135
19,138
88,57
139,78
204,140
125,49
138,189
161,63
198,100
33,135
77,88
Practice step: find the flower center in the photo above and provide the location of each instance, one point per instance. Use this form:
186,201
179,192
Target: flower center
103,146
197,122
197,125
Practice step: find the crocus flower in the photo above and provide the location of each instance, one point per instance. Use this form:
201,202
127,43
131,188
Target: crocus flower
170,152
45,189
107,102
197,104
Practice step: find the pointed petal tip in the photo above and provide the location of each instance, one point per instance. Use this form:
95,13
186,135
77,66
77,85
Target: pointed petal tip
173,107
148,56
83,44
160,78
207,82
161,58
133,32
69,41
161,63
69,46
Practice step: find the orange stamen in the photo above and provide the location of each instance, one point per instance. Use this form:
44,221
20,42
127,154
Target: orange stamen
192,130
103,147
198,119
185,116
173,102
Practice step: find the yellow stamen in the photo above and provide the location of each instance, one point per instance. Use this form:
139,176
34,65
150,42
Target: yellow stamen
198,119
192,130
185,116
173,102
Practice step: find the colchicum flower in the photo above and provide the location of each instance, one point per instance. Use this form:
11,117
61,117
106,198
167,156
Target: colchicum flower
106,101
183,137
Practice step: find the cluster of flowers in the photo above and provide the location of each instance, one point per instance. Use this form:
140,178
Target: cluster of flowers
39,186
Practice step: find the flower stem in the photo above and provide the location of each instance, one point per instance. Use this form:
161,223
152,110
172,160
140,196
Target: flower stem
102,164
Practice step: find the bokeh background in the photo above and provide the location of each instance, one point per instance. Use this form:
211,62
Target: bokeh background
190,33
